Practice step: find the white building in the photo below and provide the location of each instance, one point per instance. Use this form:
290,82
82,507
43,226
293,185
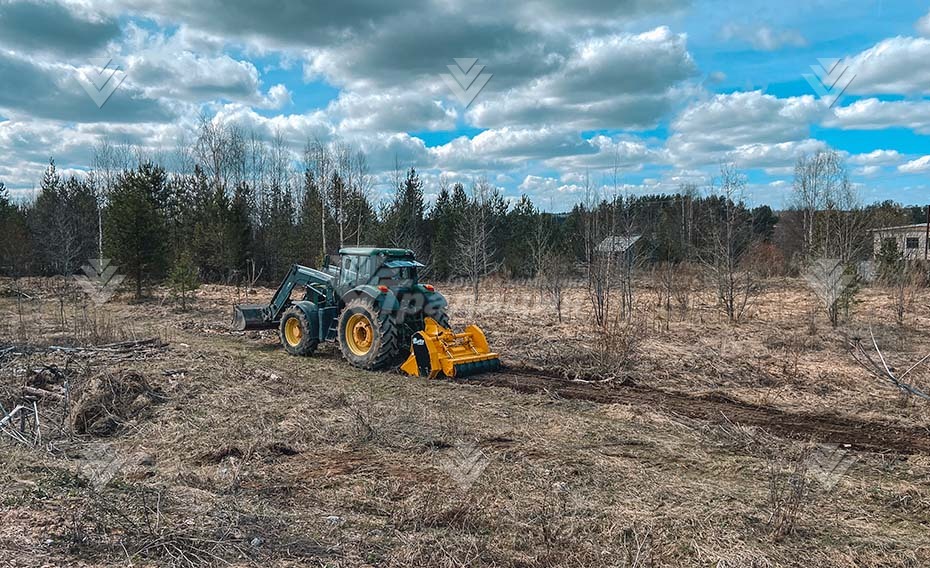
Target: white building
910,239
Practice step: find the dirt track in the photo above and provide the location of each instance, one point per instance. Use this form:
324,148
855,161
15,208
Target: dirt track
861,435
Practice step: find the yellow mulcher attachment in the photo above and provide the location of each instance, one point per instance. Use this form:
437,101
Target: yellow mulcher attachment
437,349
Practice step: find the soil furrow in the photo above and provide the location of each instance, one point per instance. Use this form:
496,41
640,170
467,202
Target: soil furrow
858,434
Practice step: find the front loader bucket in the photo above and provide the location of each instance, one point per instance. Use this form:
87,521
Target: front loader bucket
439,350
250,316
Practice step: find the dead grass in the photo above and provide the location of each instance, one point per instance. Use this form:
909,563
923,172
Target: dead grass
250,457
771,358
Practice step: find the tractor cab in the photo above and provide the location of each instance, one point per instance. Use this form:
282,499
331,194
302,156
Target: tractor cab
395,269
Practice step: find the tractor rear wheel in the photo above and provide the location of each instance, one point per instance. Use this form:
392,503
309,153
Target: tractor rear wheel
296,335
368,337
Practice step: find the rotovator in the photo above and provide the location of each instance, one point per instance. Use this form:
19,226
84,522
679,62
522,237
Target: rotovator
372,303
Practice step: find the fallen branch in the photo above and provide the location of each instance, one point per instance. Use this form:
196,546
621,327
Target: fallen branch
19,293
124,347
882,370
6,419
4,422
42,393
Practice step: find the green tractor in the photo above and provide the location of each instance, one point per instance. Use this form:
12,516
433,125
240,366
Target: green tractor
373,304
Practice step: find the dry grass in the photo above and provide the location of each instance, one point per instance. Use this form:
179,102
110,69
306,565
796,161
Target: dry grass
251,457
785,353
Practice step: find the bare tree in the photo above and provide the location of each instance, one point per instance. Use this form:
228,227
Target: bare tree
360,184
730,239
211,150
666,276
540,246
904,280
820,182
832,282
108,162
847,223
555,274
474,241
599,224
320,162
687,193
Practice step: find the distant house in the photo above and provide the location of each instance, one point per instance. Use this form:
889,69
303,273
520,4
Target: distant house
911,240
617,244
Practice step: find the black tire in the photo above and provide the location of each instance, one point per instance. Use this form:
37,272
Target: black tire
384,347
307,341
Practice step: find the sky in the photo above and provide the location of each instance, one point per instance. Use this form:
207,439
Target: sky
636,96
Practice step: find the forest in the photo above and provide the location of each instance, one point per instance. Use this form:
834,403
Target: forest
233,208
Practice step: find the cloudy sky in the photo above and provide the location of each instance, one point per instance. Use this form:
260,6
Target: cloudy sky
659,91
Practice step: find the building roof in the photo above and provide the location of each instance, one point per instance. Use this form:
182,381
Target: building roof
921,226
615,244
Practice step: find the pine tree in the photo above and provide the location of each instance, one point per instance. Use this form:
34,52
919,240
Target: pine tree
50,228
15,246
135,223
443,220
278,233
404,223
363,218
239,227
183,279
81,206
180,216
521,223
64,222
309,227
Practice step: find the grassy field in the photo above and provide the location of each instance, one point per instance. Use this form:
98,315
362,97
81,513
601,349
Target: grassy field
207,447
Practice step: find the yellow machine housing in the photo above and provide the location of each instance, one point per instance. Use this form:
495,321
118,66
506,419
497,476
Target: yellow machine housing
440,350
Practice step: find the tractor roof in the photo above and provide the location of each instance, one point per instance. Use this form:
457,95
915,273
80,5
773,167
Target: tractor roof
376,251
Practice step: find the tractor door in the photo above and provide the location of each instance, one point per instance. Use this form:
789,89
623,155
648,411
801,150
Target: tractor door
354,271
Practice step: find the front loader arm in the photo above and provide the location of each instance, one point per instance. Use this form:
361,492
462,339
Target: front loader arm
320,291
319,282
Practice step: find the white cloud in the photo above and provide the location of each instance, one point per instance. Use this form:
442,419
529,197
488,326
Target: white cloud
394,110
867,171
763,37
277,98
898,65
163,66
749,128
876,158
507,146
919,165
626,154
923,25
295,129
873,114
615,81
551,193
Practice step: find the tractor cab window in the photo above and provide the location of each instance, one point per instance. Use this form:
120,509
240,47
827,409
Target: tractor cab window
356,270
401,277
349,270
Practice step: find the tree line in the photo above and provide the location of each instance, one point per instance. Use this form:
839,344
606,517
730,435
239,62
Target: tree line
234,208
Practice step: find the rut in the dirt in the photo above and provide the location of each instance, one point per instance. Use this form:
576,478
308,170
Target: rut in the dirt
858,434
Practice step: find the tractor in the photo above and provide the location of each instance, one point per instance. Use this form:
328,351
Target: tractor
373,304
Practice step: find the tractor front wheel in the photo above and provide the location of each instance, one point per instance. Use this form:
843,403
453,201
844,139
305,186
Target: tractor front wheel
296,336
367,337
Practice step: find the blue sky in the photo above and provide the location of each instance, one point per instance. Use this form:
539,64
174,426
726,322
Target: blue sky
636,96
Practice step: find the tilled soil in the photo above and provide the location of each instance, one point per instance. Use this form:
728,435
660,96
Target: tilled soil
861,435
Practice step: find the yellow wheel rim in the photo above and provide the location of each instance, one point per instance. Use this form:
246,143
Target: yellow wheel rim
359,334
292,332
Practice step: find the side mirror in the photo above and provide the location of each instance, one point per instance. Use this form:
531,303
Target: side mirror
325,261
